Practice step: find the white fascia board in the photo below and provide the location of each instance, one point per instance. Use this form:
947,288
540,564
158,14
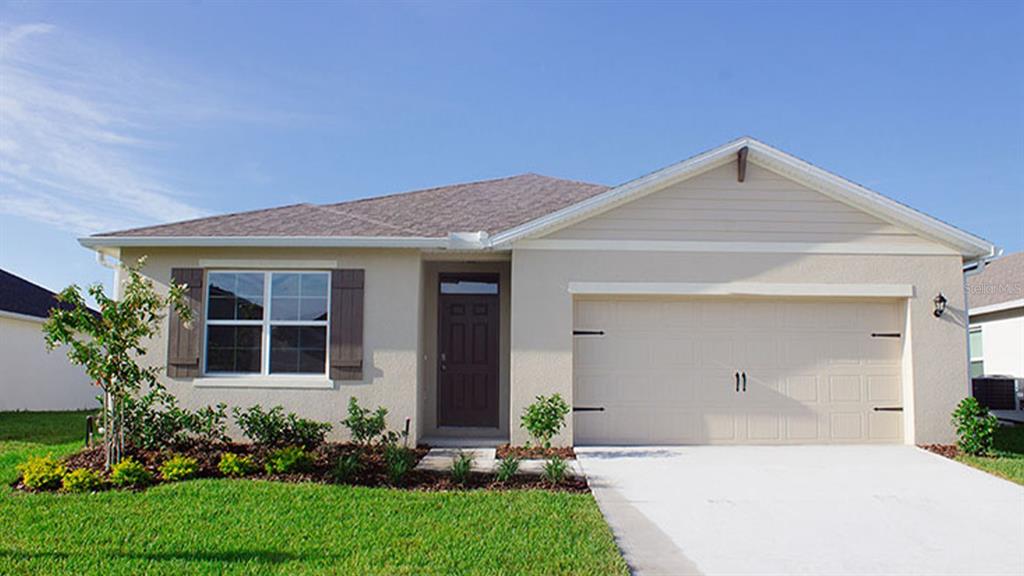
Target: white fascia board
999,307
99,242
23,317
840,189
268,264
741,289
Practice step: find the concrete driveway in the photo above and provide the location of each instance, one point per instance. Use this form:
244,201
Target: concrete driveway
806,510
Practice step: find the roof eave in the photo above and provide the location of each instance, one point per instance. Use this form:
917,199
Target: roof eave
106,242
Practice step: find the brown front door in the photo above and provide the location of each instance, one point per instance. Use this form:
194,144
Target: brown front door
467,375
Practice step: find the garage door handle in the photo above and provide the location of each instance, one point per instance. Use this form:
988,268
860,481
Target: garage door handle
737,381
744,381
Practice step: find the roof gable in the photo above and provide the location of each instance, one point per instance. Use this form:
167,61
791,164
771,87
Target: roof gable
713,208
760,154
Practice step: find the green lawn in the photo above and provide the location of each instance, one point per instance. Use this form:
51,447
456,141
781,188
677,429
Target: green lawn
1008,459
240,526
24,434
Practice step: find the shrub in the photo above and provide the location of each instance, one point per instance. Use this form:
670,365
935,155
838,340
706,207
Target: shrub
179,467
365,426
462,465
42,472
210,424
154,421
507,468
975,427
399,460
306,433
545,417
346,468
275,428
82,480
288,460
129,473
235,465
555,469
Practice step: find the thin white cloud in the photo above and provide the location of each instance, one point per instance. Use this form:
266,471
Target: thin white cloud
75,124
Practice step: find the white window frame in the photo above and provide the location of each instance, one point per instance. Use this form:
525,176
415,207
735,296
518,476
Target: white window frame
266,324
971,358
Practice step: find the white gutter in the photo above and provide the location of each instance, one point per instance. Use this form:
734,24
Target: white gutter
96,242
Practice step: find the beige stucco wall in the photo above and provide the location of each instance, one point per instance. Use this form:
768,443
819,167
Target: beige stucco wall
32,378
391,334
542,314
1002,335
428,378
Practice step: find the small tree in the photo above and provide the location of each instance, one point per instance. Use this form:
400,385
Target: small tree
109,344
545,417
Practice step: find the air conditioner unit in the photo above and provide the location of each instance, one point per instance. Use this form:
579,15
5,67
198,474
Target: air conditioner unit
998,392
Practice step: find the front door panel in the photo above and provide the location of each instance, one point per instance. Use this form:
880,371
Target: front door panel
468,360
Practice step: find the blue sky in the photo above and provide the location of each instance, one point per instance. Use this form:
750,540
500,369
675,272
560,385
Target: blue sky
128,114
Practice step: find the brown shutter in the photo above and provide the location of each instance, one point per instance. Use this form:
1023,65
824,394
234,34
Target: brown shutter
184,342
346,325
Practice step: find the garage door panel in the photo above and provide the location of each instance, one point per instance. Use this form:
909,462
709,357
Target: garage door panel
885,426
719,353
844,388
803,428
720,428
665,372
884,388
673,351
764,427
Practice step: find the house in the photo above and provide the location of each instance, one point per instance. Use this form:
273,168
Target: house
996,299
739,296
32,378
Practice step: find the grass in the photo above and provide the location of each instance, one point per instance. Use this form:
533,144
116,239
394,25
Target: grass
1007,460
25,434
245,527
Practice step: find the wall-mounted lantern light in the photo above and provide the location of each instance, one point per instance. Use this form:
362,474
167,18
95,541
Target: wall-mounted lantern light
940,305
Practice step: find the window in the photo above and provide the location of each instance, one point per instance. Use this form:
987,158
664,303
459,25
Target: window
469,285
977,352
267,323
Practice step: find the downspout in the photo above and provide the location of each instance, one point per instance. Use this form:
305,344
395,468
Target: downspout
971,268
103,261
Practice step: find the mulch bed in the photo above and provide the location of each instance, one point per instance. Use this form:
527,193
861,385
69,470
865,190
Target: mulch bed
373,473
947,450
535,452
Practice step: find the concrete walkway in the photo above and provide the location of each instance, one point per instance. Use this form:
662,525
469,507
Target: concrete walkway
484,461
824,510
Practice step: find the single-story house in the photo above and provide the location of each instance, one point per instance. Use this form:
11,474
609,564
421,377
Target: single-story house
740,296
995,296
31,377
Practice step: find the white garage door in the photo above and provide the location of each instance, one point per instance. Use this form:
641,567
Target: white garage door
731,371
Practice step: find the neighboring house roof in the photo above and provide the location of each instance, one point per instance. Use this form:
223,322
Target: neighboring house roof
999,287
23,298
507,210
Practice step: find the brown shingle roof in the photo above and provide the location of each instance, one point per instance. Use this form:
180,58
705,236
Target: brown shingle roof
490,205
1002,281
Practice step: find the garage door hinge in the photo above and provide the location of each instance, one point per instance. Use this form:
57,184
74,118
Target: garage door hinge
885,334
888,408
588,332
588,408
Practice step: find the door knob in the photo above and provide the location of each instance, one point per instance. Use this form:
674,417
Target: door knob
744,380
737,381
